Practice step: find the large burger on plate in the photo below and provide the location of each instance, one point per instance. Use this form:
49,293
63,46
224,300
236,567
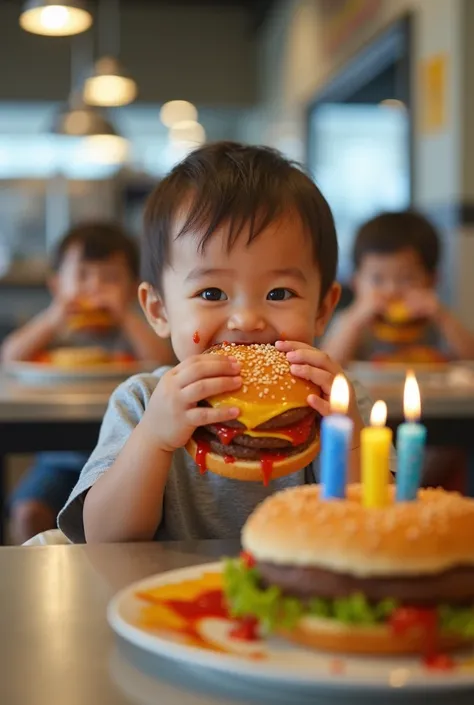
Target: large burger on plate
276,433
337,576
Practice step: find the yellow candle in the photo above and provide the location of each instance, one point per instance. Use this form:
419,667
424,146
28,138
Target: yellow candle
375,458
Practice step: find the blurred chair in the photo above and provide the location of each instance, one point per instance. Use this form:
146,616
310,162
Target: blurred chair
52,537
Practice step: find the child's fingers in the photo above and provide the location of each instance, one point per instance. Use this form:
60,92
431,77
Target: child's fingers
316,375
313,357
205,366
319,404
203,415
287,345
203,388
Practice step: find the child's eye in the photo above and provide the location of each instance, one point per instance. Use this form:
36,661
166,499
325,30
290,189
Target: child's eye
212,294
280,294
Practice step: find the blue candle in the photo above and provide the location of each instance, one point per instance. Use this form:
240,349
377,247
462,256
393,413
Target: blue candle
411,441
336,435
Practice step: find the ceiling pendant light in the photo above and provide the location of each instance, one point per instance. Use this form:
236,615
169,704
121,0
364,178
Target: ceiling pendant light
55,18
101,143
109,85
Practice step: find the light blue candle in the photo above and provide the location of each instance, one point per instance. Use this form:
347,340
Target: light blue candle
336,435
411,442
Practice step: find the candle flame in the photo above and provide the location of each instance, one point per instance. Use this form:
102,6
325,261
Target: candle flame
411,398
378,416
339,398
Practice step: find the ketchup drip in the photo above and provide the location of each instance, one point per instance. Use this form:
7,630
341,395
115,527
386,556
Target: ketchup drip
202,449
266,463
196,338
226,434
229,459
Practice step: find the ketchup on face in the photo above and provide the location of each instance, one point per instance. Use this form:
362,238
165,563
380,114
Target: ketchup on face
196,338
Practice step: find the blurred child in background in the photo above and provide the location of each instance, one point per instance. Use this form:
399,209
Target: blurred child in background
91,318
396,315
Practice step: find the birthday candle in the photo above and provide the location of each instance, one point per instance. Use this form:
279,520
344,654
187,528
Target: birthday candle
411,440
375,441
336,435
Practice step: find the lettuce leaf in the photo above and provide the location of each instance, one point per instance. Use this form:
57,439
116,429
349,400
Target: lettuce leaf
247,597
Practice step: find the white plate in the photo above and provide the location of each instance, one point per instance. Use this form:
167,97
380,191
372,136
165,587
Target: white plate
280,662
44,373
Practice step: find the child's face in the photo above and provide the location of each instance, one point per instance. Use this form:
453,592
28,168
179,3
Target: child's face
93,280
256,293
392,275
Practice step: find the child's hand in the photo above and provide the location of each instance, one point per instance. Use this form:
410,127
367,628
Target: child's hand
368,306
316,366
423,303
173,413
60,310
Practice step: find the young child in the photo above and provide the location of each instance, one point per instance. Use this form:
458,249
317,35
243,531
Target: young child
239,246
396,257
97,262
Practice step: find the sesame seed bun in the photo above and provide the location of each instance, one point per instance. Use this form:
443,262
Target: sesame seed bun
268,391
295,527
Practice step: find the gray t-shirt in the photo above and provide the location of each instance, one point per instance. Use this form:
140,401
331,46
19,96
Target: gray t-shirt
195,506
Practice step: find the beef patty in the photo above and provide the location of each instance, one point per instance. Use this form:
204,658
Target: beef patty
455,586
287,418
254,450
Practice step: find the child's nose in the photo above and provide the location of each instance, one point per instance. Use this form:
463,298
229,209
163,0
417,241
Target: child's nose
246,319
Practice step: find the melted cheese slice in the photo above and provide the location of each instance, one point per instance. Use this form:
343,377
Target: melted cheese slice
253,415
268,434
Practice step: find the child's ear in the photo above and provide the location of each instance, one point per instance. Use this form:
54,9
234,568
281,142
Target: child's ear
154,309
326,308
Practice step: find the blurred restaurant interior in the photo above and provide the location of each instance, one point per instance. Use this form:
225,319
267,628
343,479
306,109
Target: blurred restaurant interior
99,100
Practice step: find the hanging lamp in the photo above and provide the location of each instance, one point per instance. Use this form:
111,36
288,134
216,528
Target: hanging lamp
109,85
102,142
55,18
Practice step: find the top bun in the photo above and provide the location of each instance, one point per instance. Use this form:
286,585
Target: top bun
397,313
89,317
268,387
296,527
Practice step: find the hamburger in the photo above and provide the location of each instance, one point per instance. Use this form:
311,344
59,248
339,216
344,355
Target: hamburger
341,577
276,433
70,358
88,317
397,325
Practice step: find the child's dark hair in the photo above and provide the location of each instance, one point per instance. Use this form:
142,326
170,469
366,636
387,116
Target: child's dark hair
98,241
231,184
389,233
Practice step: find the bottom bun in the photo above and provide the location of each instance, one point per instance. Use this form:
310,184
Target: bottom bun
328,635
251,470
